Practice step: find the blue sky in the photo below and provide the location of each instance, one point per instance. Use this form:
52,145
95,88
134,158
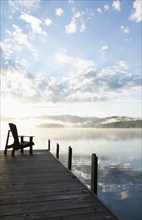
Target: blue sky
71,57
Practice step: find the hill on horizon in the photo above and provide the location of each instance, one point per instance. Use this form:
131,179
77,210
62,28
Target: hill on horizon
74,121
91,122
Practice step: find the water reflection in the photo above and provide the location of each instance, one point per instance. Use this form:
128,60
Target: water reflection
122,182
119,183
119,172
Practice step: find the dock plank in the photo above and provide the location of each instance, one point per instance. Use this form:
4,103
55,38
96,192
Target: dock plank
39,187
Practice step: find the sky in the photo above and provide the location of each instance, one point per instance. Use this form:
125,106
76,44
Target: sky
75,57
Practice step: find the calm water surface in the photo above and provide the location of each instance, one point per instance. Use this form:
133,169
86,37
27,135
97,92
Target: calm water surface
119,163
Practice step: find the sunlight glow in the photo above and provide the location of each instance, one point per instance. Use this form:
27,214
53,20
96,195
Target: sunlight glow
10,107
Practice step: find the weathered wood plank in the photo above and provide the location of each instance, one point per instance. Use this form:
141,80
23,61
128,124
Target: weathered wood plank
78,213
40,187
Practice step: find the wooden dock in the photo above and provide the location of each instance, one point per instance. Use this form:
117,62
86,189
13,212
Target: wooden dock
39,187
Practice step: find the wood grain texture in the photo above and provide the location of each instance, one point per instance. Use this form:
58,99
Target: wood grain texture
39,187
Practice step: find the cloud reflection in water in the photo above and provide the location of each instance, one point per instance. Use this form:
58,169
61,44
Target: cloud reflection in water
119,183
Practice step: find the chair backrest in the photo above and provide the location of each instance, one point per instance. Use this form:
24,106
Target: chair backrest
14,133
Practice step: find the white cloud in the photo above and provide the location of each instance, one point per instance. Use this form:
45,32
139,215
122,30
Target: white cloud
59,11
110,83
80,64
124,29
71,1
48,21
63,57
21,38
128,39
84,83
103,52
26,6
12,82
77,15
16,42
77,22
82,28
99,10
105,47
71,28
106,7
122,64
116,5
137,12
6,49
34,23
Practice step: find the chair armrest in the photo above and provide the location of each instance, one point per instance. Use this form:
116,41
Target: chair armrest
26,136
22,137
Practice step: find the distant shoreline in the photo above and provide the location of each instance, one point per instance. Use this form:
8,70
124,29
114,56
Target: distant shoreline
73,121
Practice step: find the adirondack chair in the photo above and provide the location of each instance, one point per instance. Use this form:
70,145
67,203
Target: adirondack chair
18,144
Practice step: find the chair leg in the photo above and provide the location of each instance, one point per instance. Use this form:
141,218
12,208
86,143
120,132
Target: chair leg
5,151
22,150
13,152
31,149
7,139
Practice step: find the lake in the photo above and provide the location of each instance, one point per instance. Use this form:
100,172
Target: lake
119,162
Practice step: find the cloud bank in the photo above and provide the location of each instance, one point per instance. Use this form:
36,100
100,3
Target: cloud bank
86,83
